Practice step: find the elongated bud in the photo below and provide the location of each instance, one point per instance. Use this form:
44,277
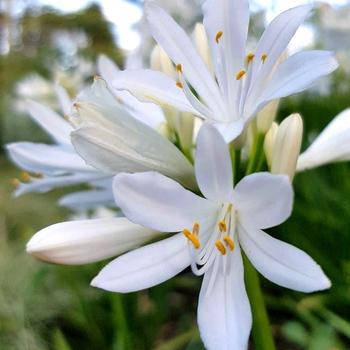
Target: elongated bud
286,148
160,61
269,143
87,241
266,116
201,41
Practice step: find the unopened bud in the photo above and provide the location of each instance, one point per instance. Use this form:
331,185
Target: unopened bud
266,116
286,148
201,41
269,143
160,61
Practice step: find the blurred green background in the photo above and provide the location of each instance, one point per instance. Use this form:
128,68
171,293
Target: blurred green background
52,307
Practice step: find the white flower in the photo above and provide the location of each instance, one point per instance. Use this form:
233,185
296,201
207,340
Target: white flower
332,145
244,82
214,228
111,140
87,241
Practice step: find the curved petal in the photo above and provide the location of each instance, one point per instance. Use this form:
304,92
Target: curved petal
87,241
298,72
152,86
155,201
224,315
50,121
106,68
145,267
213,165
263,200
332,145
49,159
180,49
282,263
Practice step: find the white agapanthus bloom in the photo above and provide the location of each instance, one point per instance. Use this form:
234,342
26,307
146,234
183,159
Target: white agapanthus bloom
244,82
212,232
332,145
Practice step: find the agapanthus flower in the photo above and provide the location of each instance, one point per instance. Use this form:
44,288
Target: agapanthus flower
243,82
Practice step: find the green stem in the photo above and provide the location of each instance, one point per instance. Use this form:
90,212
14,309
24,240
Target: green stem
256,155
262,332
122,339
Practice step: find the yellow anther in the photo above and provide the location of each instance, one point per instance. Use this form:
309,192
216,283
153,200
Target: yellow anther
240,74
179,68
25,177
220,247
15,182
195,241
222,226
187,233
195,229
76,105
218,36
250,58
263,57
229,242
179,85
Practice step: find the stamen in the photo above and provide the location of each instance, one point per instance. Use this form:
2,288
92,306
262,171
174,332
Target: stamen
229,242
195,241
187,233
220,247
179,85
263,57
222,226
240,74
195,229
250,58
15,182
218,36
179,68
25,177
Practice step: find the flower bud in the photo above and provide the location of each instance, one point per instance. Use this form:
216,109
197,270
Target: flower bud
269,142
266,116
201,41
286,148
160,61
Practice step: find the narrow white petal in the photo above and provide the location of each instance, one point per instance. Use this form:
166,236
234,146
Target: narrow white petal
63,99
106,68
332,145
224,315
282,263
152,86
48,159
299,72
87,241
153,200
50,121
264,200
145,267
88,199
213,165
181,50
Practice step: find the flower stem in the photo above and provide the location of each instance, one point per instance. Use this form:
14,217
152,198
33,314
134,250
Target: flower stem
256,156
262,333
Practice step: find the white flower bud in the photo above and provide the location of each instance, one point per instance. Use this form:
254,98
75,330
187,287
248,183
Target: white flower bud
286,148
269,142
201,41
160,61
266,116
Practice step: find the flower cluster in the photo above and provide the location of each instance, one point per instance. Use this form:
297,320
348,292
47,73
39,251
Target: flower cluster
190,153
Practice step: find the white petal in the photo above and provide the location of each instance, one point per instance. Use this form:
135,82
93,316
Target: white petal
224,315
230,131
50,121
88,199
155,201
213,165
152,86
145,267
180,49
49,159
63,99
263,200
299,72
282,263
106,68
332,145
87,241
